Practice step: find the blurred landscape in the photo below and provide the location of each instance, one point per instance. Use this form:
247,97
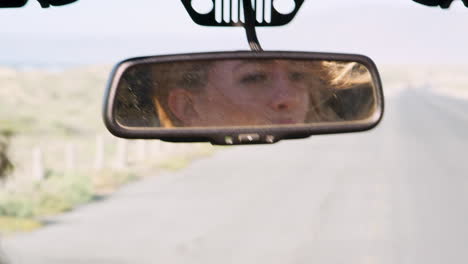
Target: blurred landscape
445,80
397,194
63,155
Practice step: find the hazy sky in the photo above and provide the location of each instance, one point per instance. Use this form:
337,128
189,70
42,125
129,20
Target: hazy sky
106,31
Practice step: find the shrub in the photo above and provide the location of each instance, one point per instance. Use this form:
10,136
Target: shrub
56,194
5,165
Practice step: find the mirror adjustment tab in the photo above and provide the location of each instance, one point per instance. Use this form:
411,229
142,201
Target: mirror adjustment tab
249,138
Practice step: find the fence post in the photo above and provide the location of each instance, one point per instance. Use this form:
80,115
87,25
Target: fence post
141,151
167,148
121,155
70,157
99,155
155,148
38,171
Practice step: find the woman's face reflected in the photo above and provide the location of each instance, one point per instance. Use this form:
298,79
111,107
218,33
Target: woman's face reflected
240,92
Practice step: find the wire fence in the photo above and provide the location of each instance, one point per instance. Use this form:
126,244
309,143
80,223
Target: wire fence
35,162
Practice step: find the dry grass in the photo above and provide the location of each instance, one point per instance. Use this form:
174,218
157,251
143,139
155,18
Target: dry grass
53,110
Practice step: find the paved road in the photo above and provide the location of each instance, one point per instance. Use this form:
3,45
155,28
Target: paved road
398,194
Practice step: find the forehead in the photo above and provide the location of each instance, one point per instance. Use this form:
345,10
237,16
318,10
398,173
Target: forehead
228,65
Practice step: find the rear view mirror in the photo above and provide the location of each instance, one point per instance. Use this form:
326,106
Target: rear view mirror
243,97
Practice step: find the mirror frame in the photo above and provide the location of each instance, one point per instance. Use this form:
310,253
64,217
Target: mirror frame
239,135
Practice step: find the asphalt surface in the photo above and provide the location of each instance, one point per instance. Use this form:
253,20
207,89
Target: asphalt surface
398,194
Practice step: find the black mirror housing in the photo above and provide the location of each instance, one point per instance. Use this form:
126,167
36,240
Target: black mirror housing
247,133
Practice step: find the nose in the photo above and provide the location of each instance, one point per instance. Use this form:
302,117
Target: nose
284,95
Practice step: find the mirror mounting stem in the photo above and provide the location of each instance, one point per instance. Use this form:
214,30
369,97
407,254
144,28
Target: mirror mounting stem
250,27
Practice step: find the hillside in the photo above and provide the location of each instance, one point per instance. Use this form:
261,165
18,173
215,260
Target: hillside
67,103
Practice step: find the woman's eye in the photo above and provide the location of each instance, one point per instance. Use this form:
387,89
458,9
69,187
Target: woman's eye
253,78
297,76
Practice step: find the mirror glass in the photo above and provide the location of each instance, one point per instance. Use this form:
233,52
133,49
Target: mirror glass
244,92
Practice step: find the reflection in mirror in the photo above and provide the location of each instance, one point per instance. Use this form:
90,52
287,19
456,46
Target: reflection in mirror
244,92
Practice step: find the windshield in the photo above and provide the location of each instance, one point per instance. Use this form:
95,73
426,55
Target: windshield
76,194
